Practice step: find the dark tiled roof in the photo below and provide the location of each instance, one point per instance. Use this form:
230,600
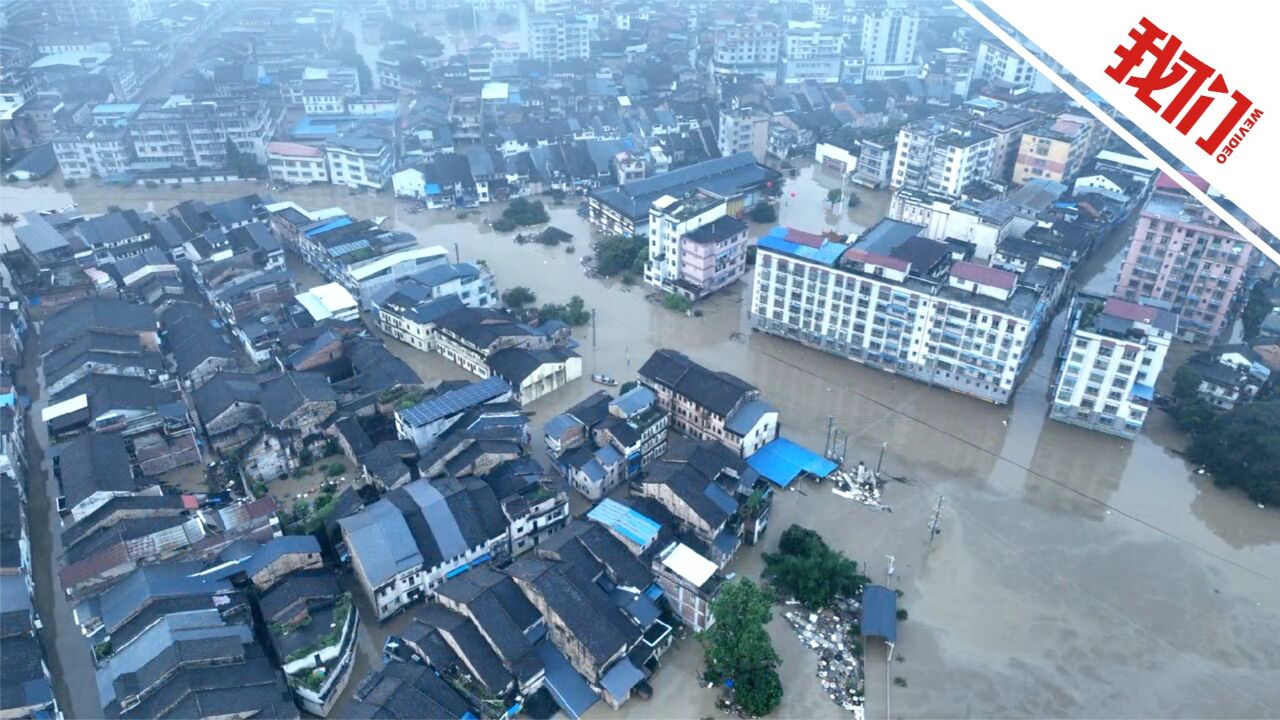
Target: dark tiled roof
94,462
286,394
106,315
719,392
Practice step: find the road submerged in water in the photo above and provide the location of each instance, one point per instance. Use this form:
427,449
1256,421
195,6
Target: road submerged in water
1076,574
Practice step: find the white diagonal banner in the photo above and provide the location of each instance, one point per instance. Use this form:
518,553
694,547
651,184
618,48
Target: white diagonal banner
1172,70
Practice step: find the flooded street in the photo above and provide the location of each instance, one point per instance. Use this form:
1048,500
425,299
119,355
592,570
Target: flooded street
1076,574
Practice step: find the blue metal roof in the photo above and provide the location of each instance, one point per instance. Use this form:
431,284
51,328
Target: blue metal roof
570,691
621,678
827,254
331,225
880,613
782,460
625,521
1143,391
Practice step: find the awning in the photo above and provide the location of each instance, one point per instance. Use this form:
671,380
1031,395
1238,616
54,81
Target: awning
880,613
782,461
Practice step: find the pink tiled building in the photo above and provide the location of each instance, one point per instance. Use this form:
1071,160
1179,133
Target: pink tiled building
1183,257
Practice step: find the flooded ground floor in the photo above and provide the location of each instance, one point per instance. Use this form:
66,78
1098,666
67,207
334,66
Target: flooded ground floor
1076,574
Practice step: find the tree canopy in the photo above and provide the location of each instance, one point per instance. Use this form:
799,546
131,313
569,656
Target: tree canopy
1256,311
526,212
518,297
737,647
1241,448
763,213
619,254
811,571
574,312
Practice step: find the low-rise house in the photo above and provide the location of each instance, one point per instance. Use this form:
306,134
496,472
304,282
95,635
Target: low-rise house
116,235
632,425
407,543
314,627
93,468
424,422
149,277
195,340
408,691
296,164
114,317
361,158
229,406
102,353
533,374
26,689
296,406
689,584
710,405
1229,375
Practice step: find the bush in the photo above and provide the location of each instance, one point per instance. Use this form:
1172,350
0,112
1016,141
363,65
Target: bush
811,571
259,489
574,312
902,614
334,470
854,200
678,303
522,212
763,213
504,225
569,250
1241,448
8,219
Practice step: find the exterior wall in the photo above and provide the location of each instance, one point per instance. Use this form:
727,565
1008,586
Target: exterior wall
764,432
1183,256
549,378
940,162
686,602
285,564
297,170
679,508
969,349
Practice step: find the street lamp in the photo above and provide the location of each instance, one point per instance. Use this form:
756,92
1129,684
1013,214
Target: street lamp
880,462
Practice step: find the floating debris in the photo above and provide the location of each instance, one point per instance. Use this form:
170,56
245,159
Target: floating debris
860,485
829,634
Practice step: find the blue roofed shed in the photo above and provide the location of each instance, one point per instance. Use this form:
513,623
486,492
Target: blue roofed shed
880,613
783,461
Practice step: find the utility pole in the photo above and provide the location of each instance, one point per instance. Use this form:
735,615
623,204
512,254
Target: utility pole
880,462
593,329
935,522
831,426
457,254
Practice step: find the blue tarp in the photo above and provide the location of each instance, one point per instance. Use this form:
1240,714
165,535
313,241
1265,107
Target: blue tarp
630,523
880,613
782,460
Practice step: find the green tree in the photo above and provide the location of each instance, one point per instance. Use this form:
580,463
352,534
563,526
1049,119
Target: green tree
1241,448
620,254
518,297
574,312
810,570
854,200
737,648
678,303
1256,311
522,211
763,213
833,196
8,219
241,163
1186,384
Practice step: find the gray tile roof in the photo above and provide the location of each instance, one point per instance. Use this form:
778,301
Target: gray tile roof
379,538
94,462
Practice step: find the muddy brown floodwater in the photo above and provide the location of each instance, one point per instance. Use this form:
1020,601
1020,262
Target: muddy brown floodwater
1076,574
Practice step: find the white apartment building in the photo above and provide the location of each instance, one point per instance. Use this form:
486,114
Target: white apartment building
902,303
97,153
889,37
1109,362
360,159
559,38
695,246
181,131
813,52
941,154
747,49
743,130
994,61
296,164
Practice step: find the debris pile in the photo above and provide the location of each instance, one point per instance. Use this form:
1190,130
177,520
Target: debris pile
859,484
829,634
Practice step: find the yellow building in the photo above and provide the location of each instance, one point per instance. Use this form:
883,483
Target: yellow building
1058,149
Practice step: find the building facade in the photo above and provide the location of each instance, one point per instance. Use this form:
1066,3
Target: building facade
1109,363
1184,257
942,154
889,42
695,246
901,303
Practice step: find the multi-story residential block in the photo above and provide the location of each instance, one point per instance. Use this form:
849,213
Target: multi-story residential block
1183,257
942,154
874,168
1109,362
1058,149
1006,127
559,38
750,49
899,302
181,131
889,37
743,130
994,61
362,158
690,582
814,52
296,164
709,405
948,72
624,210
124,14
695,246
100,152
